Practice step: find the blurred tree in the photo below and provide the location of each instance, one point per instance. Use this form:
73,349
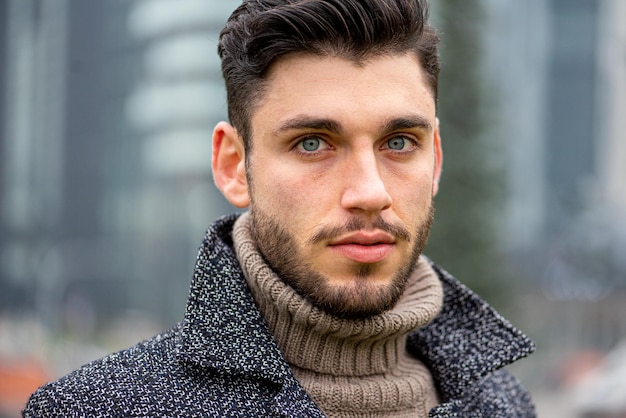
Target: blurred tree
464,236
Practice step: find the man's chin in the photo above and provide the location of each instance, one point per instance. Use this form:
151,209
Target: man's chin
355,298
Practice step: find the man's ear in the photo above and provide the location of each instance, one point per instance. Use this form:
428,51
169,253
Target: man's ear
438,158
229,165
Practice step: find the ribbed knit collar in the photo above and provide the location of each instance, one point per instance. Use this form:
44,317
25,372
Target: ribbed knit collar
315,340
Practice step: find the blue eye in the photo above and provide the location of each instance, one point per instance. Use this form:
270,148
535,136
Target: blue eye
396,143
310,144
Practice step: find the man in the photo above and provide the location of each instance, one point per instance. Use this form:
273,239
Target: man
318,301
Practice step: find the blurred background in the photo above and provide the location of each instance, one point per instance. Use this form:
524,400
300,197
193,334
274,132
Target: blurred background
106,114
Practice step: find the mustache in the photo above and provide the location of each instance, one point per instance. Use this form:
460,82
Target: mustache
357,224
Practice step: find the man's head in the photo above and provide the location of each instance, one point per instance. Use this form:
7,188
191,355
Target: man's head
334,143
260,32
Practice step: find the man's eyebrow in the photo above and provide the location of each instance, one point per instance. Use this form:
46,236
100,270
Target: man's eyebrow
412,121
407,122
306,122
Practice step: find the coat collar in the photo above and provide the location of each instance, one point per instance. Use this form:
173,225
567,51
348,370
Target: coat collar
467,340
223,329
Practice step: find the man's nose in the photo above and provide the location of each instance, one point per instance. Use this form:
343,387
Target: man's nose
364,187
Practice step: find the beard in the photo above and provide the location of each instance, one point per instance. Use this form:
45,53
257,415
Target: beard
360,297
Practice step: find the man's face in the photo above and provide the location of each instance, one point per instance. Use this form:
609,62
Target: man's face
344,164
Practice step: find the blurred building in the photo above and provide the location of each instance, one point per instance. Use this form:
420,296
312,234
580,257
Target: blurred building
559,68
106,115
612,97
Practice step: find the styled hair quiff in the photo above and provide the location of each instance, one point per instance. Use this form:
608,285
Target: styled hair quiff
259,32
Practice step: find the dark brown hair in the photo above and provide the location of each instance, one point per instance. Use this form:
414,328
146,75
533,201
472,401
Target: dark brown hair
261,31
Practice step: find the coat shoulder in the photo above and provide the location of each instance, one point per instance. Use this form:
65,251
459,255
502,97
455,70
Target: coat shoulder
152,379
112,383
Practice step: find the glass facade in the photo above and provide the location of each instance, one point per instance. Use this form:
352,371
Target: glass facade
107,117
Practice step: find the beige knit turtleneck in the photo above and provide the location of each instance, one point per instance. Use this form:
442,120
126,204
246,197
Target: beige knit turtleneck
351,368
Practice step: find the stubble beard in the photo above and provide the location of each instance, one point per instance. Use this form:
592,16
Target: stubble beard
359,298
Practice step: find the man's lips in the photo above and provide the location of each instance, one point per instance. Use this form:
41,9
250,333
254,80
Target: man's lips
364,247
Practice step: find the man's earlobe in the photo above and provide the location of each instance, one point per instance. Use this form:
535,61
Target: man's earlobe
438,158
229,165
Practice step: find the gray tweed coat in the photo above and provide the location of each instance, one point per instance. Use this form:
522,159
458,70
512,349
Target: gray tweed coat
221,359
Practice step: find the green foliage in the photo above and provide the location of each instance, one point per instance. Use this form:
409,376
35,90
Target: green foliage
464,238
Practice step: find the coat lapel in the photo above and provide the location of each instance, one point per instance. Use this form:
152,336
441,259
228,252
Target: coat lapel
222,328
467,340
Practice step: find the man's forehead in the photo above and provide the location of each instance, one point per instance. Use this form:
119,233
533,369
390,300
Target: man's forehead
328,92
312,74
